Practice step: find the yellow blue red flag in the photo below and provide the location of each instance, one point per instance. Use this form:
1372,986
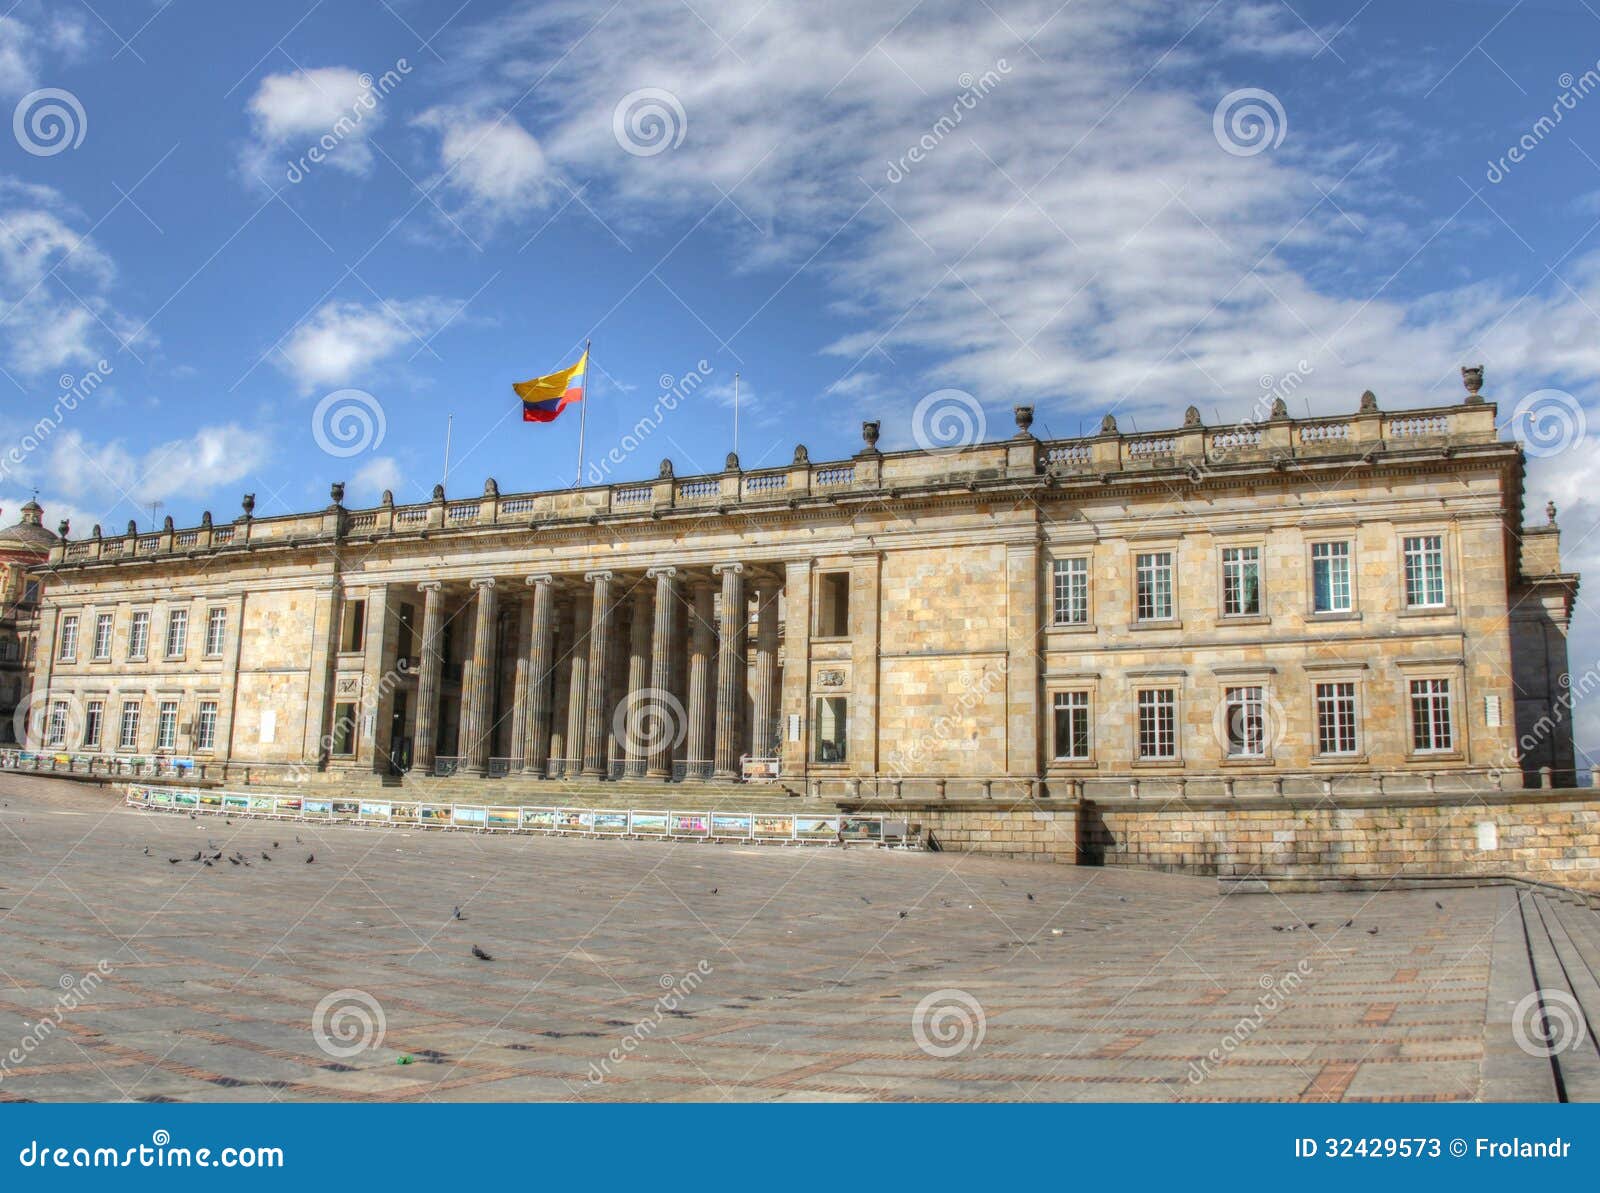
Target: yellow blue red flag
544,398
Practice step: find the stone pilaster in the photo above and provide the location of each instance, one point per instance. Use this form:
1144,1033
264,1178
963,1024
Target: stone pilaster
702,642
594,706
372,750
640,718
865,630
1024,582
521,684
477,680
661,652
539,660
730,670
765,737
426,733
324,659
796,662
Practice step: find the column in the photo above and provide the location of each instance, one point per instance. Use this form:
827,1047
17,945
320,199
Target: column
540,660
796,662
730,670
865,598
427,723
577,685
522,686
702,627
642,719
765,740
594,707
324,660
377,683
661,650
477,683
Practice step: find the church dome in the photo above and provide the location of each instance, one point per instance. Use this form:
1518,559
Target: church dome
30,532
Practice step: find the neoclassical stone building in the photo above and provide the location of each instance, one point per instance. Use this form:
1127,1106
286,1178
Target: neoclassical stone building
23,546
1346,603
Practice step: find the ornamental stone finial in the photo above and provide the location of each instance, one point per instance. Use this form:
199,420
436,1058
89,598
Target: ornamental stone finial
166,524
869,434
1369,402
1024,417
1549,513
491,488
438,494
1108,425
731,464
1472,378
387,499
665,471
133,528
64,527
801,455
249,506
1191,417
95,533
205,520
336,492
1280,408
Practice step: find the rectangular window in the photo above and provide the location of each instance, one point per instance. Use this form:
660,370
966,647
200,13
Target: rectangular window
177,633
1336,718
30,593
344,731
1071,591
216,632
1153,573
1330,578
167,725
56,728
1424,557
1072,724
355,626
69,638
205,726
1158,723
1241,581
833,605
1431,731
93,717
1245,710
139,635
102,636
128,733
832,729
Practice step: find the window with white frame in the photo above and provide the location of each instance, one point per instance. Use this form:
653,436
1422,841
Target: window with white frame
1158,723
1245,709
1241,581
167,725
1153,583
1424,563
102,636
205,726
177,633
55,733
1071,591
69,638
216,631
1072,725
1431,726
139,635
128,731
1336,717
94,715
1330,578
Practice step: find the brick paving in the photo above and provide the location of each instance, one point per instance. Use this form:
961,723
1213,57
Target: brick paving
801,971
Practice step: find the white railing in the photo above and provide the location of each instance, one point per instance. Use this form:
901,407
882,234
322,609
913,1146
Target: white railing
830,477
638,496
1325,433
1416,425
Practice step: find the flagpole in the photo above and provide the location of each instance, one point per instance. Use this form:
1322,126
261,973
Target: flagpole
449,425
736,414
583,412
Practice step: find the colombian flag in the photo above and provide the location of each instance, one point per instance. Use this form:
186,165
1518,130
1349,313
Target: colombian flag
544,398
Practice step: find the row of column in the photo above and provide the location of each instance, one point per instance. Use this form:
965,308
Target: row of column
577,678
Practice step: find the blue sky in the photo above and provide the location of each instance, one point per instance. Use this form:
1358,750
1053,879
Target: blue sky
1085,237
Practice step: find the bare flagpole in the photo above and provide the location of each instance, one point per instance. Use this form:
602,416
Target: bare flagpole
449,425
736,414
583,413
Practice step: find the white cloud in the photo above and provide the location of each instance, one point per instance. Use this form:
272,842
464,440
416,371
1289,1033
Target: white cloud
119,480
306,118
373,477
495,167
28,38
344,341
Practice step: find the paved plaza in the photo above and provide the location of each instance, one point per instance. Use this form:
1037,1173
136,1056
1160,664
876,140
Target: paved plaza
675,972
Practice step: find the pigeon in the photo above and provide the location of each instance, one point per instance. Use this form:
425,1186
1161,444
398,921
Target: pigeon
174,860
229,823
147,851
274,844
1438,904
456,914
865,900
1349,923
297,839
1311,925
903,914
310,857
1030,896
714,890
1122,898
196,856
480,954
265,856
208,861
1372,931
234,860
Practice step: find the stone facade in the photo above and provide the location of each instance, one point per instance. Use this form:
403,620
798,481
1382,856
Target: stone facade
23,546
1272,607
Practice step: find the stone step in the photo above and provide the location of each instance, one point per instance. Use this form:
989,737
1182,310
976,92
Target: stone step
1571,996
